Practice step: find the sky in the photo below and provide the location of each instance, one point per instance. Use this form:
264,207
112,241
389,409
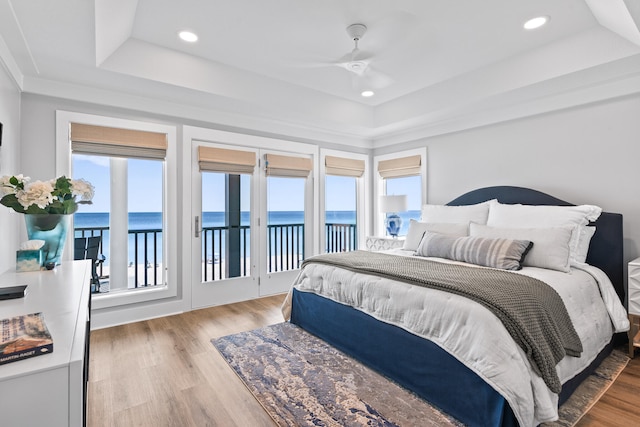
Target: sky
144,185
284,194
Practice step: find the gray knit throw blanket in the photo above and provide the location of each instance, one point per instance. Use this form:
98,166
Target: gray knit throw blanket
532,311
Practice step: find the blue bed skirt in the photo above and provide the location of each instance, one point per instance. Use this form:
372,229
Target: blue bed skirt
413,362
401,356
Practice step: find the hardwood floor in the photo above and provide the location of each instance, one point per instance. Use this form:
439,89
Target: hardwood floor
620,406
165,372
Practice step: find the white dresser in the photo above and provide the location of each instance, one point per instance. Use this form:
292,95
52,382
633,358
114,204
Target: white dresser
49,390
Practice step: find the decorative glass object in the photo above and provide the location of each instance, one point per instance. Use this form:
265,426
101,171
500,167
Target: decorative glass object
393,222
391,205
52,229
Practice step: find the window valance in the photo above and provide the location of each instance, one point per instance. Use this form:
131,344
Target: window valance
213,159
287,166
399,167
116,142
343,166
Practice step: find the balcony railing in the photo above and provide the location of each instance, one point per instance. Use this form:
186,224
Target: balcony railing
340,237
213,244
147,253
285,249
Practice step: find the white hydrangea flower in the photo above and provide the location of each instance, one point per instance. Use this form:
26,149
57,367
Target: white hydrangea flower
37,193
83,189
7,188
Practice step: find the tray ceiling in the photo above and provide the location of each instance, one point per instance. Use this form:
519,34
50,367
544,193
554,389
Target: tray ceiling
430,63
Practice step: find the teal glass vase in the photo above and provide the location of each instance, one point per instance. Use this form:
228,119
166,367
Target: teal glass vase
52,229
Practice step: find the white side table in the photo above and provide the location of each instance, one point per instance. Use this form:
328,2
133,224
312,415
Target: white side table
634,305
375,243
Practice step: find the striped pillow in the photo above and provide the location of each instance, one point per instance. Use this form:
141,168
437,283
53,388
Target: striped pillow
505,254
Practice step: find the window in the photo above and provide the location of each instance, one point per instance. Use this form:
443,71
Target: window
411,186
401,173
131,222
132,166
286,182
128,217
340,204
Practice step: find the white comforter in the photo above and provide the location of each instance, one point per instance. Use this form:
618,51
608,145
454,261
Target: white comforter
472,334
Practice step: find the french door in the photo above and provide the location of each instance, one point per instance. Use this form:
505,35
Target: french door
251,221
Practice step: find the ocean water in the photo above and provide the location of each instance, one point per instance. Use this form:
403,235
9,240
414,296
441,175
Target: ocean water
153,221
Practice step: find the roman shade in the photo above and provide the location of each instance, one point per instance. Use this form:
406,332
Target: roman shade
400,167
116,142
343,166
287,166
211,159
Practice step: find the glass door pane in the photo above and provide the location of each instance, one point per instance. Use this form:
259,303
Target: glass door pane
145,222
226,231
340,230
285,223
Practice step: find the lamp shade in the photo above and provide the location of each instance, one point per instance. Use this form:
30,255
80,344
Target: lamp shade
393,203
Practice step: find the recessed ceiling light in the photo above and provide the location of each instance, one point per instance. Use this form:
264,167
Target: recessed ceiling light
367,93
534,23
188,36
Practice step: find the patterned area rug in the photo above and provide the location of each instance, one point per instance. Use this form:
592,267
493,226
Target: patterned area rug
302,381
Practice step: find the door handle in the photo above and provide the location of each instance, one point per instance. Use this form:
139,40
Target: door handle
197,227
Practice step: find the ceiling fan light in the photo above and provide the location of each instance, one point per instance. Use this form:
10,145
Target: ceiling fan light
188,36
537,22
367,93
356,66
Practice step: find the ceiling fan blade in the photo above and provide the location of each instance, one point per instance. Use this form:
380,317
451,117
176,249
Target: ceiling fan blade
377,79
354,55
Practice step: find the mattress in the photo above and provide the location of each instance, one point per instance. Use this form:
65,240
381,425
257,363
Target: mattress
474,336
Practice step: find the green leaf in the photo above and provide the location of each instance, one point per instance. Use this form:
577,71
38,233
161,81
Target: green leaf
69,206
34,209
11,201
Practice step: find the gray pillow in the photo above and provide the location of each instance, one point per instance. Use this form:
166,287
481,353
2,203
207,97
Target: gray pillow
505,254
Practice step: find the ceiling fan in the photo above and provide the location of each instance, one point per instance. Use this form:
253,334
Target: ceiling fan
359,63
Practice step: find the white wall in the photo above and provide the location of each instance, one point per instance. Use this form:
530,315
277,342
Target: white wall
588,154
10,222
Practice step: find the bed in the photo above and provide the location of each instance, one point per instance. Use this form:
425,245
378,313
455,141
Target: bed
468,364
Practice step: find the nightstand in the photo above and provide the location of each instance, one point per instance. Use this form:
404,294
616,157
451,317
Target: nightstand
375,243
634,305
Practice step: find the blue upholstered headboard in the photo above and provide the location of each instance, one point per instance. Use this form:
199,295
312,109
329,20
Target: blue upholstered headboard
606,248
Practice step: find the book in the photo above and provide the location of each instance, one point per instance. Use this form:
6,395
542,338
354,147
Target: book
24,337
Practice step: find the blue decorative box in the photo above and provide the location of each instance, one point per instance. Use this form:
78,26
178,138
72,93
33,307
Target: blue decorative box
29,260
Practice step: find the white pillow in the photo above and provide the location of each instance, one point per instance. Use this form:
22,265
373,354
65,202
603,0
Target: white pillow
550,245
525,216
477,213
417,230
580,255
